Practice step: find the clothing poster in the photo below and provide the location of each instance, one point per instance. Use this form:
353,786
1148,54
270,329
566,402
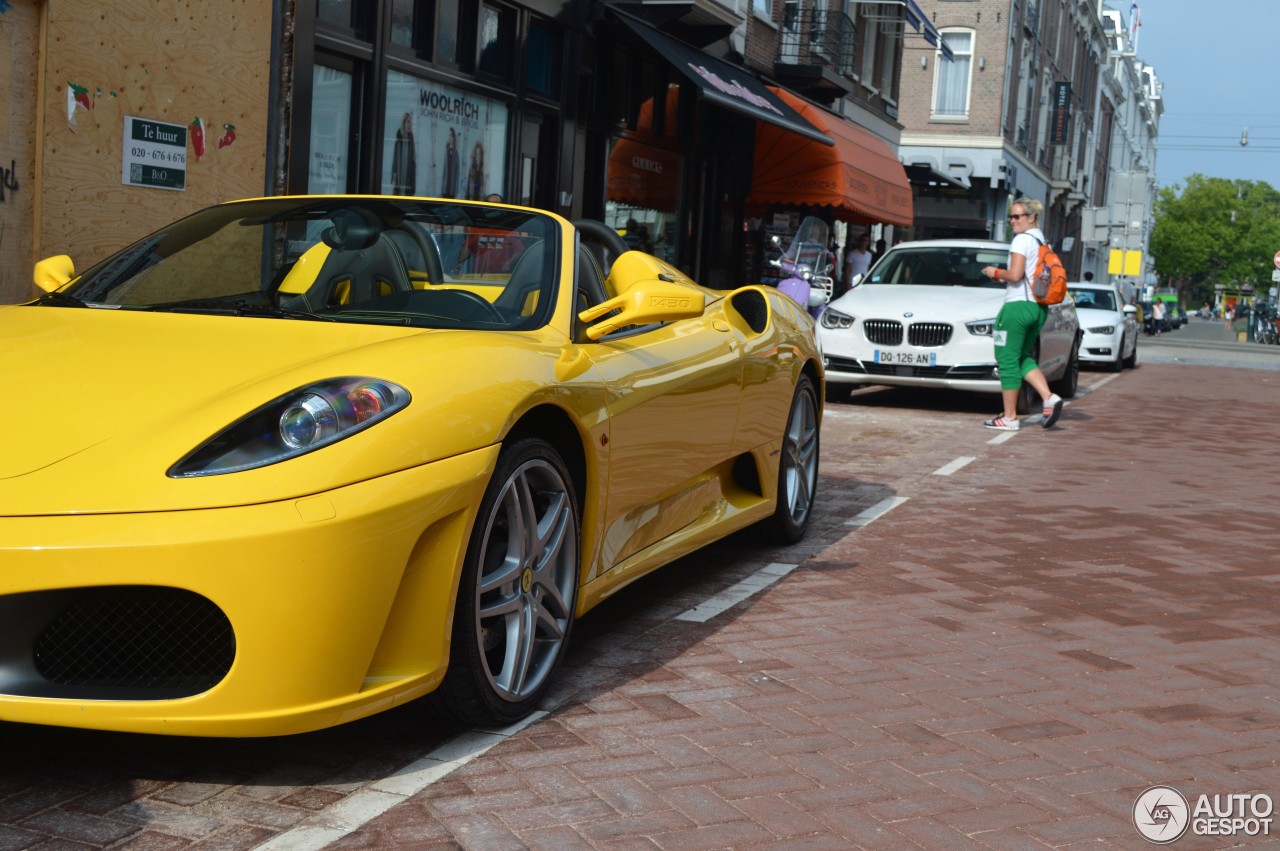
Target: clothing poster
441,141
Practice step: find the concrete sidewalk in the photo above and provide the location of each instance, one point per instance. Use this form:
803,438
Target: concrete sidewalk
1006,659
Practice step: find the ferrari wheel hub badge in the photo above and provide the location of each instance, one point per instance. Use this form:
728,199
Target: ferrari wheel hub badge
526,580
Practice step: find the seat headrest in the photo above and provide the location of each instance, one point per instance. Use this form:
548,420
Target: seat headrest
353,230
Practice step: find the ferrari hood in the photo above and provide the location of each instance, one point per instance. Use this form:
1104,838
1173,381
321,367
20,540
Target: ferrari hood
87,376
920,303
110,400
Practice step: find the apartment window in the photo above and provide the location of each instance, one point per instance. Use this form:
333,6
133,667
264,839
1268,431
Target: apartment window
447,32
542,59
763,9
870,31
952,76
497,41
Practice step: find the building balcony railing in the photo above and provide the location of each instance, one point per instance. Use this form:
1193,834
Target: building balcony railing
817,37
815,53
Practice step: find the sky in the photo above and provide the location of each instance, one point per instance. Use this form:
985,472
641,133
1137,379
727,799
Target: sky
1220,65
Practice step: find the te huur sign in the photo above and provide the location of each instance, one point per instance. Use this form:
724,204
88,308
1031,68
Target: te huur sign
155,154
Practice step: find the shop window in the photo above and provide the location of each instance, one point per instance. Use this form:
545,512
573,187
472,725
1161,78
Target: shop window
542,59
952,76
442,141
497,41
332,101
643,180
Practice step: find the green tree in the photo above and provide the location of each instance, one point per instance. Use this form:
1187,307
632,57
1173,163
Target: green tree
1215,231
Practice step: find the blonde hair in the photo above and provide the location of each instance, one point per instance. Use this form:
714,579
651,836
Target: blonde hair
1030,206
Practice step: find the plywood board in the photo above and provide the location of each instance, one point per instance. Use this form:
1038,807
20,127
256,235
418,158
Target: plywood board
19,29
167,60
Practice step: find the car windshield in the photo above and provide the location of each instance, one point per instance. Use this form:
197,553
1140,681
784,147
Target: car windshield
430,264
956,266
1096,299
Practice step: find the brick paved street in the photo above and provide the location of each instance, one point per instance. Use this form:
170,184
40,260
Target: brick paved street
963,670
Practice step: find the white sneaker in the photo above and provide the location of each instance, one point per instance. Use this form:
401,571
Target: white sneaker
1003,424
1052,410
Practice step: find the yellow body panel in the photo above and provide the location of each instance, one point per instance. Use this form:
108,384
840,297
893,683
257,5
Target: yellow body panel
338,569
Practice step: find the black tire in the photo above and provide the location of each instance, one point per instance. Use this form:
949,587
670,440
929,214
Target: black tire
518,589
1066,385
1117,364
797,469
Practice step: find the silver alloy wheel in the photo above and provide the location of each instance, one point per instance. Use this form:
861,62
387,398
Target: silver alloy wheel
528,567
800,457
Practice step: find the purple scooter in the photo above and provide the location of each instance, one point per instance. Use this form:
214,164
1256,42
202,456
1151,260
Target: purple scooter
807,267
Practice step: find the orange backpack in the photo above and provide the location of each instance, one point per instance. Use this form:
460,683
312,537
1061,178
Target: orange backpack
1049,286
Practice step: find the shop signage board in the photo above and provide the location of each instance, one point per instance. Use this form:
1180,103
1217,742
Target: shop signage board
154,154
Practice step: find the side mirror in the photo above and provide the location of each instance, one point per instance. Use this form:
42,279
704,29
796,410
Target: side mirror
1130,310
855,280
53,272
645,302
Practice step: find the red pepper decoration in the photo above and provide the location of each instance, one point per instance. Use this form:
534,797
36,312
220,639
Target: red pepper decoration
81,95
228,137
197,137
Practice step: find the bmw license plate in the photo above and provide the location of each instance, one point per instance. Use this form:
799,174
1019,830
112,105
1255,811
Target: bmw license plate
906,358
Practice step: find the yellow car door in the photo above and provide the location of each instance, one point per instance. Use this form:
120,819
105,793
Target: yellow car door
673,397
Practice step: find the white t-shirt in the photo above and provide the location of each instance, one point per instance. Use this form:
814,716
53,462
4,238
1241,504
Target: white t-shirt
856,263
1025,244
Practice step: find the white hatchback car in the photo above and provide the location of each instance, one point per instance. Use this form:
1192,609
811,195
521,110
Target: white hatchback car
1110,326
922,317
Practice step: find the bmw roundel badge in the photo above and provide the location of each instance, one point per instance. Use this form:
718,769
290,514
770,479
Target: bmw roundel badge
908,315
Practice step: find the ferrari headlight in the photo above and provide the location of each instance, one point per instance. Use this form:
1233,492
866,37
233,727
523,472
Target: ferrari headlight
836,320
1103,329
981,328
294,424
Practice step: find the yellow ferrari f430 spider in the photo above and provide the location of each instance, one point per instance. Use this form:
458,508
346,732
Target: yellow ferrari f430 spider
292,461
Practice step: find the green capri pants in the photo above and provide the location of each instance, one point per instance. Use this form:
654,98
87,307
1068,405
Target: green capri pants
1017,328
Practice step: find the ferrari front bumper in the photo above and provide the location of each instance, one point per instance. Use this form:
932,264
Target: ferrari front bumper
303,613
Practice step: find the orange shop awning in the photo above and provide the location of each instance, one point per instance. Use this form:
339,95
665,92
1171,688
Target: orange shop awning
859,177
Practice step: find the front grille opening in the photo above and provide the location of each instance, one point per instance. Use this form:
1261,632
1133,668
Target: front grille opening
883,332
137,637
929,334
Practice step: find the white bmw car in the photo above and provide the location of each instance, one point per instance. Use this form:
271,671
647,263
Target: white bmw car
922,317
1110,326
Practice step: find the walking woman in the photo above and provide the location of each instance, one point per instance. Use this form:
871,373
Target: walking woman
1020,319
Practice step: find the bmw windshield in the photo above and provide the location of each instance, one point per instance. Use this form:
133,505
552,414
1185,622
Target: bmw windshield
950,266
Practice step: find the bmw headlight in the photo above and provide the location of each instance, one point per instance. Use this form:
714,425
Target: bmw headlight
1103,329
295,424
981,327
836,320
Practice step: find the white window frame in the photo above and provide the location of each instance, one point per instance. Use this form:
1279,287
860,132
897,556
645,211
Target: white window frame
962,63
